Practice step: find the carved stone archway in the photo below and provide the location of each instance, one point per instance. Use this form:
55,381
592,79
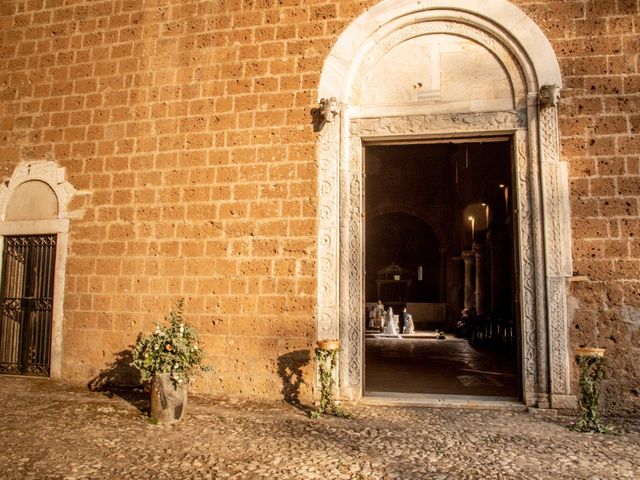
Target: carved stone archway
529,118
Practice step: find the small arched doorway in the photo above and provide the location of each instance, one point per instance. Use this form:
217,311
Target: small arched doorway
446,71
34,226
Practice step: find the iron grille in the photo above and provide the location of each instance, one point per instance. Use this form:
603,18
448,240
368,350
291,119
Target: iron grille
26,304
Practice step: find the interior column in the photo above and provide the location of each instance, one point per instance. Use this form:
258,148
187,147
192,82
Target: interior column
469,258
478,254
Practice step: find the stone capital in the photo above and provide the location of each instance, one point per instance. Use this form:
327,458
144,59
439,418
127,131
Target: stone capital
549,95
329,108
468,256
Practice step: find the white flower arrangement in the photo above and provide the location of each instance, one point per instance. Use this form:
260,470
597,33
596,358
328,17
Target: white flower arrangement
171,349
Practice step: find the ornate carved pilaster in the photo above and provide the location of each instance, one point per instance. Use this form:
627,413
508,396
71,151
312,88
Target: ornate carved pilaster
350,296
352,288
328,232
557,245
528,290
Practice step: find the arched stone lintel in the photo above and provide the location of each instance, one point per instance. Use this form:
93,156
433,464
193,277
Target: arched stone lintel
44,171
499,18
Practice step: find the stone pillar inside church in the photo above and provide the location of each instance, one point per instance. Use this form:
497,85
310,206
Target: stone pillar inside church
469,259
479,283
443,276
495,251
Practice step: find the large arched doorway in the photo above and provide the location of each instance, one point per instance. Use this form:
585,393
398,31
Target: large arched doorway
442,72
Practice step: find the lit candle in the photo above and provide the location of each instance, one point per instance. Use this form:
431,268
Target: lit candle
473,227
486,216
506,198
420,273
506,201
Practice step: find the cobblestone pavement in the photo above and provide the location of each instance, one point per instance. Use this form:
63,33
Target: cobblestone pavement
50,430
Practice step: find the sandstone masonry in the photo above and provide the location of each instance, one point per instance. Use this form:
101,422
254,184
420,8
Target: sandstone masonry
188,125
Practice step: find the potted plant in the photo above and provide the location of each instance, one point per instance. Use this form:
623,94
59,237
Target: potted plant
166,359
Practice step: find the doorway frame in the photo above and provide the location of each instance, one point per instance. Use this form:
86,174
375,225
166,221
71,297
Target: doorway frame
509,140
540,179
54,176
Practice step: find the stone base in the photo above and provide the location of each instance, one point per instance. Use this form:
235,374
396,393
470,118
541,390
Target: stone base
168,403
564,402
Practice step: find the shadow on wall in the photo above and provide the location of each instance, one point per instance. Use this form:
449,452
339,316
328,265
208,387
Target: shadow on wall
290,367
121,379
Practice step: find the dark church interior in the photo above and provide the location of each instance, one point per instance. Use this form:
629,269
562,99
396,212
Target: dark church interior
439,243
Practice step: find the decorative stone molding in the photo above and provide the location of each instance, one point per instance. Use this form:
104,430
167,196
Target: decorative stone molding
328,234
424,125
540,184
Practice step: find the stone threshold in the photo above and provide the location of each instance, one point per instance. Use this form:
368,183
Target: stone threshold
438,400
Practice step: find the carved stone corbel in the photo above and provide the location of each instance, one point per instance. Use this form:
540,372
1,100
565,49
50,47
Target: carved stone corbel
549,95
329,108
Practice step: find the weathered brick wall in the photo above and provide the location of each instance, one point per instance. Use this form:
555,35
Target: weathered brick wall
188,122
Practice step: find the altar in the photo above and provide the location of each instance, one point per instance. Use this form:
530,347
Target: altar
426,316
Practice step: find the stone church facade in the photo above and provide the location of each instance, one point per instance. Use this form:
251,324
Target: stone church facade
213,151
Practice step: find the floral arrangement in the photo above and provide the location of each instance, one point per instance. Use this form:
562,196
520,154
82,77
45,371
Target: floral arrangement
591,363
170,349
327,358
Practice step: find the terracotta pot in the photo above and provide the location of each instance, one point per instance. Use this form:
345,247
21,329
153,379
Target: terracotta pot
168,401
329,344
590,352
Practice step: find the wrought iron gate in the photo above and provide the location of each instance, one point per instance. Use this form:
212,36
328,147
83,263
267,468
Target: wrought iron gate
26,301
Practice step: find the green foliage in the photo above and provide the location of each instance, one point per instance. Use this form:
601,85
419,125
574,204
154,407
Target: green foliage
170,349
327,360
591,372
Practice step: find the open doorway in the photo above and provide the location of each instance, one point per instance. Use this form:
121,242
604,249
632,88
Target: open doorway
440,289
